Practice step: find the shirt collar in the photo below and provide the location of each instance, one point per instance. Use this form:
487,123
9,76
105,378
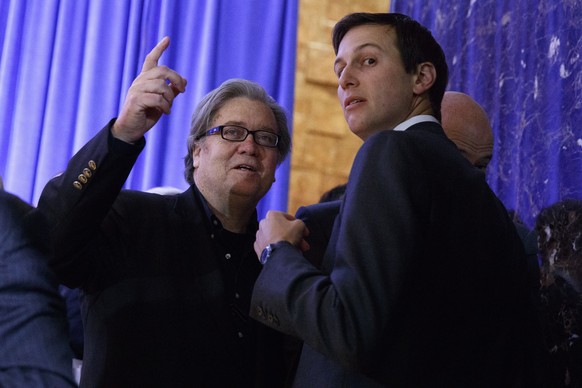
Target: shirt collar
403,126
214,222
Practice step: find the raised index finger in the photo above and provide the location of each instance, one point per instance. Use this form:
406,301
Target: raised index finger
151,60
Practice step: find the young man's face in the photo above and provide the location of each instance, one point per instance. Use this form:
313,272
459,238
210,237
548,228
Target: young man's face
374,90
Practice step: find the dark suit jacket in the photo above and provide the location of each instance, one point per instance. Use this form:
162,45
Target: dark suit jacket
319,220
73,306
34,348
423,282
154,303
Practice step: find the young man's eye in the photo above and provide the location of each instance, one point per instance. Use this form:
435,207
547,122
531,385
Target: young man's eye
369,61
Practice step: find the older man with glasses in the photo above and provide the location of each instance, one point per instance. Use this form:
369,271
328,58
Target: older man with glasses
167,279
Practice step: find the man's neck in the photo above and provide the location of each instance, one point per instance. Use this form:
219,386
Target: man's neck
234,213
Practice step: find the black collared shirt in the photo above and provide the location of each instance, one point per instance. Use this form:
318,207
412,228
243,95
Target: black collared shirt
240,267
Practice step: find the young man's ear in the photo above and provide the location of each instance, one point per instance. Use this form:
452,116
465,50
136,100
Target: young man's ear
425,77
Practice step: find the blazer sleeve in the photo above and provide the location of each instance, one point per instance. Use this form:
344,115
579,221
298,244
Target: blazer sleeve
75,203
344,313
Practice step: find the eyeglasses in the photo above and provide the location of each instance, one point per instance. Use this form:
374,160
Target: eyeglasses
238,134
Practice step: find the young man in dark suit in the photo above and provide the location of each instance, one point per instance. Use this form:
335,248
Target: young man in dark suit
166,279
34,346
423,283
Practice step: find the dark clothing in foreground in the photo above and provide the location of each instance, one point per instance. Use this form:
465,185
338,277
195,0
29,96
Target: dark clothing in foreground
34,348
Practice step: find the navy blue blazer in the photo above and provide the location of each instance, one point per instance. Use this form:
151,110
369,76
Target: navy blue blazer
424,281
155,309
34,346
319,219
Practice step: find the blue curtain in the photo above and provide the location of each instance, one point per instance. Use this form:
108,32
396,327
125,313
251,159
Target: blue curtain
521,61
65,66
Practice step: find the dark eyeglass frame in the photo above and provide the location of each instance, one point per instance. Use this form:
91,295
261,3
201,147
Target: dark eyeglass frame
220,129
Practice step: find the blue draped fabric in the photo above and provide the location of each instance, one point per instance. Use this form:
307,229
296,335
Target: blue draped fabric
521,61
65,66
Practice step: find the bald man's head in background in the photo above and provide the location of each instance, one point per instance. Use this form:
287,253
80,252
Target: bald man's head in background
468,126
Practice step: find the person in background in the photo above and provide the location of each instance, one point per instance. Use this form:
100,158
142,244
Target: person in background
467,124
164,190
166,280
405,295
559,230
34,347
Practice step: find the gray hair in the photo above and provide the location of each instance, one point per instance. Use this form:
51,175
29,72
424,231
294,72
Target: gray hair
216,99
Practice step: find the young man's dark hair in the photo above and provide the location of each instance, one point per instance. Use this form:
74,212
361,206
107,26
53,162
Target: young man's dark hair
415,43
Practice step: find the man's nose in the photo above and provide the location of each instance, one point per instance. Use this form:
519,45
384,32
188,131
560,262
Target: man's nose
347,78
249,143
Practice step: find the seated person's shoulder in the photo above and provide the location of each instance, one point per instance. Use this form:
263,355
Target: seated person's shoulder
319,210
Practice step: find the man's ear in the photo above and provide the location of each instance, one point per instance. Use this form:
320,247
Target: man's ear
196,156
425,77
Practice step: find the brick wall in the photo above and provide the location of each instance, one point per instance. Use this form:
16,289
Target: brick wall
323,146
